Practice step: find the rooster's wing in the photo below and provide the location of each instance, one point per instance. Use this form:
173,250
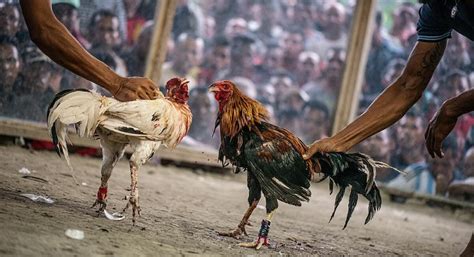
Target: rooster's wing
279,168
142,119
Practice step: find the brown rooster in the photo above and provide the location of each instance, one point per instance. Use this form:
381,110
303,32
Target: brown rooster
142,124
272,157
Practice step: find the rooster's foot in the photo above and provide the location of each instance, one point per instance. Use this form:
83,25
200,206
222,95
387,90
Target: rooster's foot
102,205
133,201
236,233
261,241
262,238
101,199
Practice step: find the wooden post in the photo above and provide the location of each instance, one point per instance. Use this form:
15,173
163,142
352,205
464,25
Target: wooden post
354,71
164,14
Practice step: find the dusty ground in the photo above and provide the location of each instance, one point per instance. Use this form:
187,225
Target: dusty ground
182,210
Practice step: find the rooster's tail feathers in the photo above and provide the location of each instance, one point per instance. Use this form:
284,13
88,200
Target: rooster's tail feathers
79,107
356,171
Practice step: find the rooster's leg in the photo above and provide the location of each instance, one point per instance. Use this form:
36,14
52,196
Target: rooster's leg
133,199
111,153
241,227
255,194
262,238
143,150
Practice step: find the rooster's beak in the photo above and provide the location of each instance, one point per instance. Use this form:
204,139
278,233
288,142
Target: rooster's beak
185,81
212,88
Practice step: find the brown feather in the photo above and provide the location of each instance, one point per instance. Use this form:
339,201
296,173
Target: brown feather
242,112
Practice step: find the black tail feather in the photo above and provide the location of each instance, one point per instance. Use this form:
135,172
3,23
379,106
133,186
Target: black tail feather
375,203
356,171
339,196
352,204
54,135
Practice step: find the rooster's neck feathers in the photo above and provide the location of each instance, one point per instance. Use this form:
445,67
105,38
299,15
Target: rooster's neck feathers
240,111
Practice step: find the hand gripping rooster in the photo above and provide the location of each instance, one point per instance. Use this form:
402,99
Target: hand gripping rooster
272,157
142,124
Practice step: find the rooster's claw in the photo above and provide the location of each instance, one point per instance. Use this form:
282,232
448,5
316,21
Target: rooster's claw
133,201
236,233
261,241
102,205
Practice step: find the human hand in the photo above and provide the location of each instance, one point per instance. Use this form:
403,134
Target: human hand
133,88
438,129
324,145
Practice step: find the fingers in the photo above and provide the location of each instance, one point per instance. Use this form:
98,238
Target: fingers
433,141
429,141
152,93
143,96
310,152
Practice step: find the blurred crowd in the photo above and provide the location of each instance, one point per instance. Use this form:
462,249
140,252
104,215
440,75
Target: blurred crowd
288,54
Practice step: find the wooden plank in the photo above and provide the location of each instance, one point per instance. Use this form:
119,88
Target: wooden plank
357,53
439,200
164,14
39,131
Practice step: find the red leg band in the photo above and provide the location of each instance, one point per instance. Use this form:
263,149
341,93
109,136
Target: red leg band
102,193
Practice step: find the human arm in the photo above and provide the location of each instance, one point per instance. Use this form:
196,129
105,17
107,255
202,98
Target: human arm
445,119
392,103
56,42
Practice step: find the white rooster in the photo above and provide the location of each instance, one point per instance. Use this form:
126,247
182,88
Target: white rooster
142,124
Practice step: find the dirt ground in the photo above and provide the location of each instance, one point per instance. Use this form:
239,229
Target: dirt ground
183,209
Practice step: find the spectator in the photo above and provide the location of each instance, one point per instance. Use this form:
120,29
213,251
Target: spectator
90,7
268,28
293,45
456,57
38,86
242,53
185,60
404,23
9,19
135,20
186,20
10,64
203,117
382,51
217,61
315,121
223,11
334,30
288,119
464,189
281,82
104,35
136,57
327,87
234,27
309,66
66,12
410,158
458,82
443,169
409,149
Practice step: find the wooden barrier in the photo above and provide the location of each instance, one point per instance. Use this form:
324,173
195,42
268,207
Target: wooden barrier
356,60
164,14
435,199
